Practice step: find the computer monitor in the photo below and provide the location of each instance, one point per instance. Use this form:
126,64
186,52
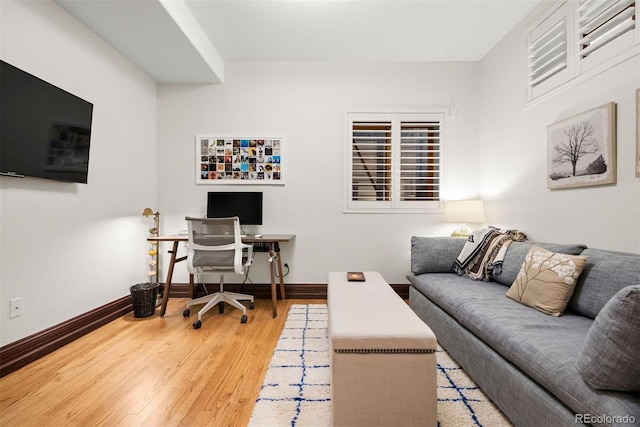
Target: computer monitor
246,205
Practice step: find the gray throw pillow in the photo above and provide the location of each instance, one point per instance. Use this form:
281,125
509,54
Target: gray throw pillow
610,358
434,254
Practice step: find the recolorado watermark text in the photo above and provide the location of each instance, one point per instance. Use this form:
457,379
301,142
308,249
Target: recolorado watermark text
604,419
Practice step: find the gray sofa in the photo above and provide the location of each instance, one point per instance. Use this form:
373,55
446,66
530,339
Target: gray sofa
538,369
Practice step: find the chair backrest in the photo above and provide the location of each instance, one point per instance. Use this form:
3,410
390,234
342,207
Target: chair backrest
215,244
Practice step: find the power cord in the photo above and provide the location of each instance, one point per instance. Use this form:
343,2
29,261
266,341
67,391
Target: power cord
246,276
286,266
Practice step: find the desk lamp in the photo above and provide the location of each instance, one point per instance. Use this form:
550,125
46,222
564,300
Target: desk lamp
463,212
156,221
153,250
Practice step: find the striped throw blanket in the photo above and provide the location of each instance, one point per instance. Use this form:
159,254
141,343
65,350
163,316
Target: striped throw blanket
484,251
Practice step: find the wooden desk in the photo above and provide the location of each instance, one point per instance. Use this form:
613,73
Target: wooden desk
275,263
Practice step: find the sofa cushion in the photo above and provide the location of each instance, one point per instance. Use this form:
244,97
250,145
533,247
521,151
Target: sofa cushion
434,254
604,275
610,358
546,280
514,258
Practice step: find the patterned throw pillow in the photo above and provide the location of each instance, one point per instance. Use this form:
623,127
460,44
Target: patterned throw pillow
546,280
610,358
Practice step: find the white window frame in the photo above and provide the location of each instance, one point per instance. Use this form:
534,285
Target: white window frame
395,117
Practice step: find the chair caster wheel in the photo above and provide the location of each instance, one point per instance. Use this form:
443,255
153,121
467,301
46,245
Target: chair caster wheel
197,324
251,305
186,312
243,319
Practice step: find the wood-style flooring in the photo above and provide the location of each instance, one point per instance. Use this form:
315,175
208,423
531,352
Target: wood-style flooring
151,371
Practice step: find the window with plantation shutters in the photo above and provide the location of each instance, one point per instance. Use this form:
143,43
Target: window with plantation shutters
394,161
548,53
420,161
548,64
371,161
601,22
605,27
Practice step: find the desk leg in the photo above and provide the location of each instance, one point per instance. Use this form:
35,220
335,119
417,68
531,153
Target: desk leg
274,292
275,267
277,249
167,284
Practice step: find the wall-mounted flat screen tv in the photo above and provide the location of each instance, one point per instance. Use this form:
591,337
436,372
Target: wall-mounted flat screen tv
45,131
246,205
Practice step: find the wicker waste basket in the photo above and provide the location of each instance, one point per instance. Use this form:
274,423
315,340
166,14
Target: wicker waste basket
144,297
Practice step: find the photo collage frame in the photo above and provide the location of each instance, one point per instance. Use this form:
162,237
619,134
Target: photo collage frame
245,160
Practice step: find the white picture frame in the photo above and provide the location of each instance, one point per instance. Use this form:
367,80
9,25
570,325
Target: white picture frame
239,160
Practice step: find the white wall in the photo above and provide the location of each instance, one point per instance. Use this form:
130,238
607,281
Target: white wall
68,248
307,104
513,150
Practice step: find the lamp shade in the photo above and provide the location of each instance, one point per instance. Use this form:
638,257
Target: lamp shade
465,211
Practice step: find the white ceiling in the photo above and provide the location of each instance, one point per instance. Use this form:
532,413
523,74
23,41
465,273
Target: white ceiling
189,40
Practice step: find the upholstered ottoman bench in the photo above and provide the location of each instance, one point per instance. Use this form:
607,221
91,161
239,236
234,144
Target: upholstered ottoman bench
382,356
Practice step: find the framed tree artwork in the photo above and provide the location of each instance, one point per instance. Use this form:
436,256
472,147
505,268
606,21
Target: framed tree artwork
581,150
239,160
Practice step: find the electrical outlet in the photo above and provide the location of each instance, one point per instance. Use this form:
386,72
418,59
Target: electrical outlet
15,307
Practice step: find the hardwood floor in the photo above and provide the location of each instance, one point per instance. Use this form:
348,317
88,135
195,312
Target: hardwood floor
151,371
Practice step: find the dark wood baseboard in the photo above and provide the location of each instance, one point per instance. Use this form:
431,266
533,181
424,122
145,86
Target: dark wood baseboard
20,353
17,354
263,290
258,290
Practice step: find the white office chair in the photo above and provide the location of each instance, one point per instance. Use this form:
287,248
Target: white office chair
215,246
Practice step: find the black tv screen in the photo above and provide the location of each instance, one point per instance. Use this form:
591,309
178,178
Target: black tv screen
246,205
45,131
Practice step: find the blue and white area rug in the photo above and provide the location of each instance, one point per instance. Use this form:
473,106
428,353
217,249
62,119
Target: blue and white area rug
296,389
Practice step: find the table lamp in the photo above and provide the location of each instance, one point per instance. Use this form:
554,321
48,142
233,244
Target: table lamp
463,212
